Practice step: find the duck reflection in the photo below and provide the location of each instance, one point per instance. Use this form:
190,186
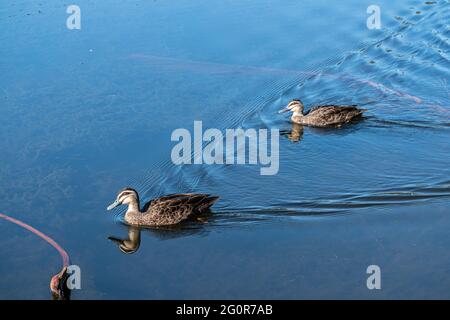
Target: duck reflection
132,243
296,133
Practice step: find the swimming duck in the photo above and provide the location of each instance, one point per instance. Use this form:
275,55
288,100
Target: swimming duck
322,116
167,210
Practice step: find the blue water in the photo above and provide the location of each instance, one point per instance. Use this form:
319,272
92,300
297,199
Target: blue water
88,112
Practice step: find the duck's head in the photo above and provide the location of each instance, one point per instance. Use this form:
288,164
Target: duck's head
125,196
295,106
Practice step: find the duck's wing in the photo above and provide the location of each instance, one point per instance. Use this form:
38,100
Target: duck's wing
331,108
182,204
334,114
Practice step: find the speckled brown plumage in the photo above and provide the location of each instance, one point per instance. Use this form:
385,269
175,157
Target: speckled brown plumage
167,210
323,116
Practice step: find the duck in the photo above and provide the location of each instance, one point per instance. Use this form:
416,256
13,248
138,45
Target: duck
167,210
323,116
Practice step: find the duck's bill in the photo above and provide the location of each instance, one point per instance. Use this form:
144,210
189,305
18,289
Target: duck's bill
284,110
113,205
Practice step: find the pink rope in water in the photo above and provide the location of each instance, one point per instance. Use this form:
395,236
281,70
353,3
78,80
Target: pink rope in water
220,67
62,252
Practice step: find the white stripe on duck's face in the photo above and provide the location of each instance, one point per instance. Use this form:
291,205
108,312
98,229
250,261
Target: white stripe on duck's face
124,197
295,106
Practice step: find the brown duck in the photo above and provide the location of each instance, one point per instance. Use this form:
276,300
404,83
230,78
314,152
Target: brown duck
322,116
167,210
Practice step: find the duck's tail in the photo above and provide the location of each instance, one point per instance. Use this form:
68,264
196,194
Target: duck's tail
205,203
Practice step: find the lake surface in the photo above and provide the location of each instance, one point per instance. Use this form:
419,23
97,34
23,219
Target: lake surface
88,112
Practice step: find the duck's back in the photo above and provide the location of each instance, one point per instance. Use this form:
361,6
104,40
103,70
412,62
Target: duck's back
175,208
331,115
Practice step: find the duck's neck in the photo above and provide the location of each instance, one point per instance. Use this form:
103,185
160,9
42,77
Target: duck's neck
133,214
133,207
297,114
